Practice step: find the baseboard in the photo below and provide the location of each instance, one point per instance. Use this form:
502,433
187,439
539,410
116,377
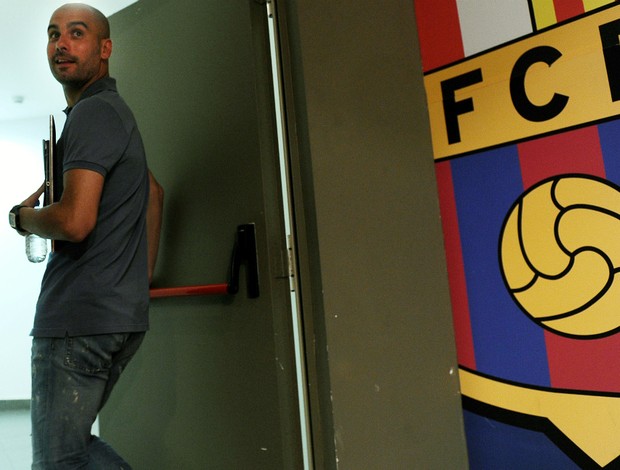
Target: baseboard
14,405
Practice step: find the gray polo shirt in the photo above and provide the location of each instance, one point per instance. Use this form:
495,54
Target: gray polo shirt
100,285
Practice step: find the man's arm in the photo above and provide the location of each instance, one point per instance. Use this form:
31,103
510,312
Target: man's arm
153,221
74,216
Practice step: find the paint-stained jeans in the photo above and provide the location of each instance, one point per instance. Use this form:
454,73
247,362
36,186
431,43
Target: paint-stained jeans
72,379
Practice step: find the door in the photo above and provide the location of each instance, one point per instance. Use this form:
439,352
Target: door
213,386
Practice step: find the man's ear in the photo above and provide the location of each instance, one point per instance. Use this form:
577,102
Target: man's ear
106,48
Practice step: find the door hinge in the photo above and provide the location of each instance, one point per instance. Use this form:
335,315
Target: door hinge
290,264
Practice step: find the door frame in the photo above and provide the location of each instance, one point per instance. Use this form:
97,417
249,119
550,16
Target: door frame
305,261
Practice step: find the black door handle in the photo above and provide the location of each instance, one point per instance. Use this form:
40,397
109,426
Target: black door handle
244,252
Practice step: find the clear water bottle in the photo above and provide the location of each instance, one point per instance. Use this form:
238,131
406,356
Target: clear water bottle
36,248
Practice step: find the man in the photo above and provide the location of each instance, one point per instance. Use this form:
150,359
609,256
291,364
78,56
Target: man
92,311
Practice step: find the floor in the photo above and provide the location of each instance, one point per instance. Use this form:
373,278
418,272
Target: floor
15,449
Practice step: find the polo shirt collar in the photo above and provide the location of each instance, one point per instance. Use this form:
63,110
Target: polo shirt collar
103,84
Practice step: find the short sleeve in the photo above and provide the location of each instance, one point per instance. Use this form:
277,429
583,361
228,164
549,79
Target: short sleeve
94,137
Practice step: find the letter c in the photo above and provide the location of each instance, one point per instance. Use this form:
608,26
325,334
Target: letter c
527,109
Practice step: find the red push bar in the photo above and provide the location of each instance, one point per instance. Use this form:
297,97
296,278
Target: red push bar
210,289
244,251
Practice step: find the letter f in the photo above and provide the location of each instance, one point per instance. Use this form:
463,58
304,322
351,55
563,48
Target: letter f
452,108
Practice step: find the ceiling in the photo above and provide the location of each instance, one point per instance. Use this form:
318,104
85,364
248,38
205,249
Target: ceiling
27,88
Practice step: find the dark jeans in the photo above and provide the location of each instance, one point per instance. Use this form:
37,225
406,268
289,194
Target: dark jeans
72,378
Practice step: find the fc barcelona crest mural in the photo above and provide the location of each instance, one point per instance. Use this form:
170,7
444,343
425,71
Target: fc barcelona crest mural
524,105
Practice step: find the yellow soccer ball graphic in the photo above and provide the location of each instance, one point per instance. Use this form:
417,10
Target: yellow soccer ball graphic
560,255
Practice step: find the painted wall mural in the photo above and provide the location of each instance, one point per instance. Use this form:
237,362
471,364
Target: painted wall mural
524,105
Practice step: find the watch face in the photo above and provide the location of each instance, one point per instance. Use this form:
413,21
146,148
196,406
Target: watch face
12,219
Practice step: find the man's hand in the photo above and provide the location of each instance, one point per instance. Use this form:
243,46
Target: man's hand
153,221
31,202
33,199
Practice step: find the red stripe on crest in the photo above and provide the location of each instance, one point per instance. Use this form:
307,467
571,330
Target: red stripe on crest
439,32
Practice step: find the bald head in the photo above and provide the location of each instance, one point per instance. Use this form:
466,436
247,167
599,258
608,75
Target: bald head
98,19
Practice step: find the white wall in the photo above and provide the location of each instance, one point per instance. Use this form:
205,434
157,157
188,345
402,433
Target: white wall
21,156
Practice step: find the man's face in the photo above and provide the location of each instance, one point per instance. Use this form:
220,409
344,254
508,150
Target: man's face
75,51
